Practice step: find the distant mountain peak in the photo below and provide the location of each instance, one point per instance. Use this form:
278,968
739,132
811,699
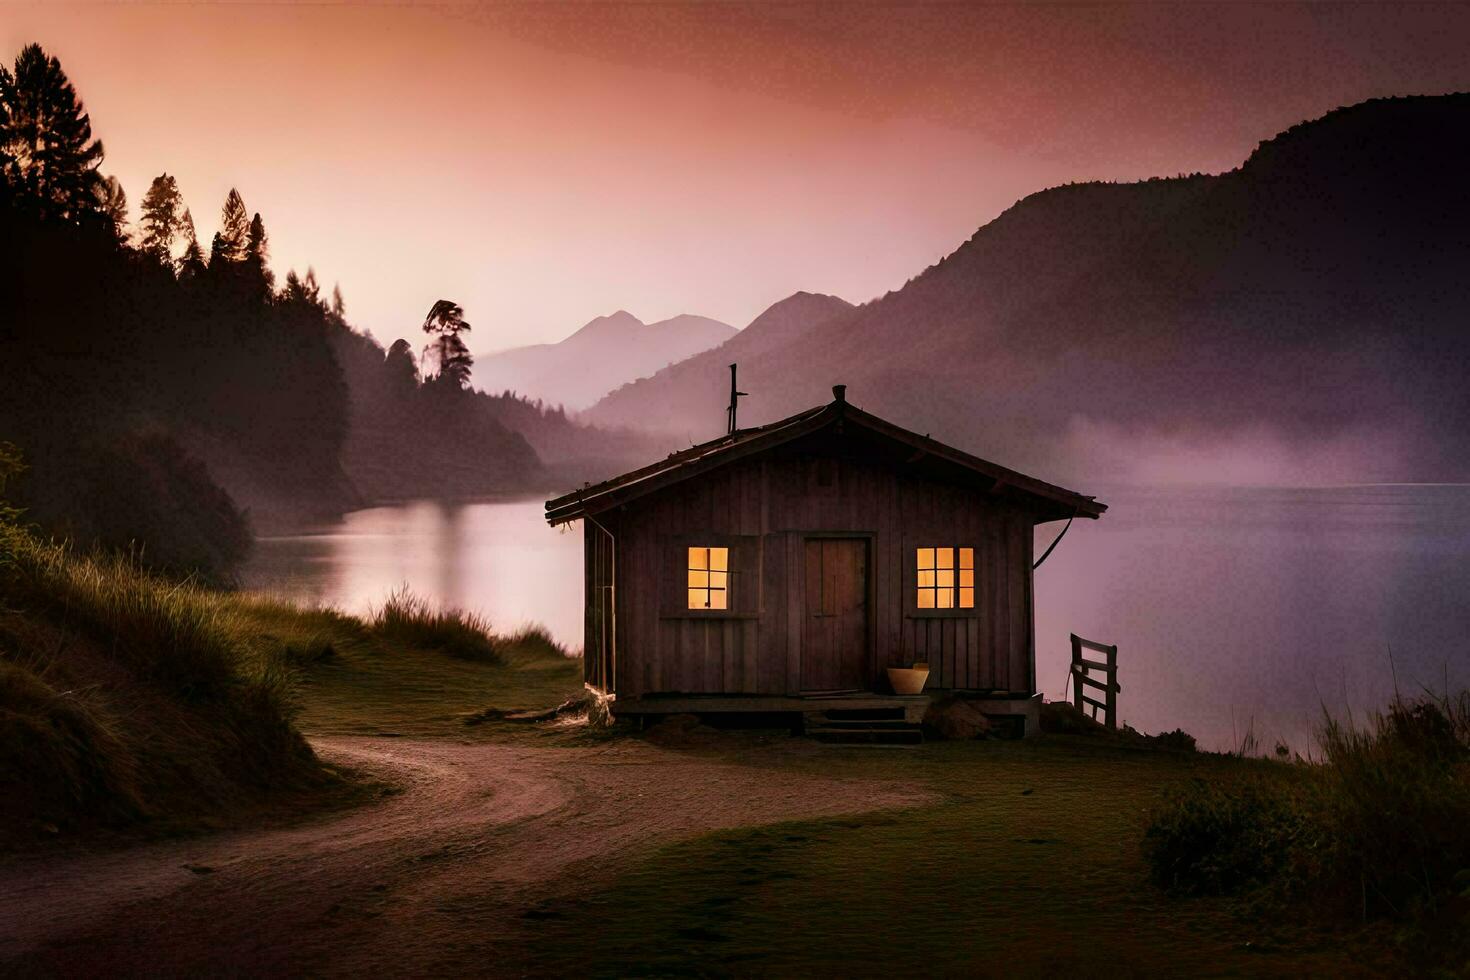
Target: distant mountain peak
615,321
800,309
604,353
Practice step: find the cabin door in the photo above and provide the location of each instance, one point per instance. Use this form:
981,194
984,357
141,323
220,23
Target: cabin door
834,641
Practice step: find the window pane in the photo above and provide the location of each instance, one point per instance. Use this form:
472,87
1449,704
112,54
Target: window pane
967,577
699,558
717,599
717,579
719,558
698,580
944,558
967,557
698,599
944,577
926,598
926,557
926,579
967,598
946,598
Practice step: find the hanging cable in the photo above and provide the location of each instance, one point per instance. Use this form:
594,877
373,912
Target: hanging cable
1056,542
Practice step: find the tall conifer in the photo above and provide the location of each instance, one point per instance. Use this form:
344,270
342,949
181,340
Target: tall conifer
112,204
162,221
451,355
257,254
191,264
48,158
234,229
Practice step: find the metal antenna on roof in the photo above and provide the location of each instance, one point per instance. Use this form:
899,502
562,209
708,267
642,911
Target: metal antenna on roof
731,412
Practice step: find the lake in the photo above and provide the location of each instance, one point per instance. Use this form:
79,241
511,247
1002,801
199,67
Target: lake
1234,610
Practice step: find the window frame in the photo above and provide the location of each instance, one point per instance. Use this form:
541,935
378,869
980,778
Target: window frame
708,570
912,578
742,589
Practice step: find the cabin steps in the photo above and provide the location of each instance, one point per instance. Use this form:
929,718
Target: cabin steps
869,727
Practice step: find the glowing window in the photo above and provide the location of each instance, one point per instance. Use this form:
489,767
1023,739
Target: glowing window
943,584
709,578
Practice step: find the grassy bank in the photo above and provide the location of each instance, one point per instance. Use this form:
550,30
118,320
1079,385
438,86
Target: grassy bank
128,700
410,669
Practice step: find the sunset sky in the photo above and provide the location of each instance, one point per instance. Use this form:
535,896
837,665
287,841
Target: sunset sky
544,164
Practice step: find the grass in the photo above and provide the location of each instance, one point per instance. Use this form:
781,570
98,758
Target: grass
127,700
373,687
124,698
410,621
1374,829
1030,866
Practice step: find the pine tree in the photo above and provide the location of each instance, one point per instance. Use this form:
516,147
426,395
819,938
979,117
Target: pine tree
48,158
339,308
191,265
112,204
234,229
292,291
219,252
445,323
257,254
401,370
162,221
310,288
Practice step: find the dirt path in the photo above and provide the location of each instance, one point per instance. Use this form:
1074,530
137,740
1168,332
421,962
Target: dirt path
483,839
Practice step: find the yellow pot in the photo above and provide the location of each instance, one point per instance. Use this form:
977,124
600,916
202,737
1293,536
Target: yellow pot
908,680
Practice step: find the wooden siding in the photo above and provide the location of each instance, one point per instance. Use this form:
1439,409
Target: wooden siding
597,627
769,506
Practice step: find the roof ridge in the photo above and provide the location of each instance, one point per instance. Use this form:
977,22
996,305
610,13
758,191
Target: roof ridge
685,463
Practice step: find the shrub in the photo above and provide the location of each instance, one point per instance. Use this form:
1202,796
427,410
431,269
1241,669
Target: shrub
1209,838
141,495
1397,797
411,621
1377,827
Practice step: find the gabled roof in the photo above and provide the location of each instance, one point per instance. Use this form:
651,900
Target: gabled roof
1051,502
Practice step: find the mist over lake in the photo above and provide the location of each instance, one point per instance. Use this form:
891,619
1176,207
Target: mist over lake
1233,609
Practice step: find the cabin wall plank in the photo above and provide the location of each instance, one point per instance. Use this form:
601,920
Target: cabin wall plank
773,501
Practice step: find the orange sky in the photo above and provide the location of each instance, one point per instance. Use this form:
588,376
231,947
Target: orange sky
543,164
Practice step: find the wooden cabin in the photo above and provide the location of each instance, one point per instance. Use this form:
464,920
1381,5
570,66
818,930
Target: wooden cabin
782,568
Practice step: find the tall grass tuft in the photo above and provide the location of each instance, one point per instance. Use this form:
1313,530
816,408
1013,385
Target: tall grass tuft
168,633
1377,827
1397,799
124,695
535,642
411,621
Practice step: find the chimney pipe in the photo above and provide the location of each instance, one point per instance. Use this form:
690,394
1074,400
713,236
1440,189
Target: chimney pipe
839,393
731,422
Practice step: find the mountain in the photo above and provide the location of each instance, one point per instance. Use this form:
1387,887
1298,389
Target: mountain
1302,317
607,352
693,394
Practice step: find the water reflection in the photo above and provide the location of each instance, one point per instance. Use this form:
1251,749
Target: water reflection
1231,608
1256,608
496,558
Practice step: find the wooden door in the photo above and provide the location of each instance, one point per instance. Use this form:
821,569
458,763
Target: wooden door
834,641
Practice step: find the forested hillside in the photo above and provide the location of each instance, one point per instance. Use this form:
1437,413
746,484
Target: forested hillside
1302,317
166,398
